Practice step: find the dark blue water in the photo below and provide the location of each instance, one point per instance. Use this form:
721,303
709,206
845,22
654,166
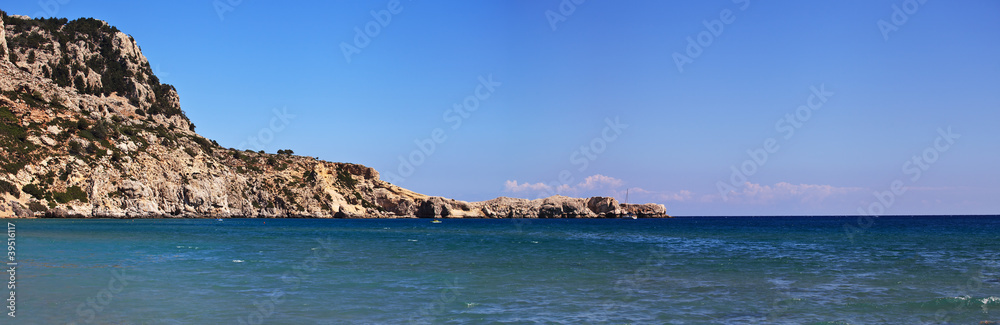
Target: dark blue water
767,270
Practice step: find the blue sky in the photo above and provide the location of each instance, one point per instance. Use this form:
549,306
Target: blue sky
540,94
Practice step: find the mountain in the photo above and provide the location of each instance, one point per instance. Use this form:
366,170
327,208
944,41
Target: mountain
89,131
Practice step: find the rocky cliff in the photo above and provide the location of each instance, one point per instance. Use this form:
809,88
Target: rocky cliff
89,131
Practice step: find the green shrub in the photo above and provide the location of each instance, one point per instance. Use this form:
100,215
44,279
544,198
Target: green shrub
86,134
50,177
34,99
75,148
92,149
14,167
290,196
72,193
205,144
11,129
309,176
344,178
34,191
101,130
65,174
81,87
32,40
36,206
60,73
6,187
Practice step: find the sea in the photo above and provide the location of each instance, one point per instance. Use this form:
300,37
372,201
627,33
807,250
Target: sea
685,270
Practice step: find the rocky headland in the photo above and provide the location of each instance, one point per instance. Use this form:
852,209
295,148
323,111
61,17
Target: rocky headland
89,131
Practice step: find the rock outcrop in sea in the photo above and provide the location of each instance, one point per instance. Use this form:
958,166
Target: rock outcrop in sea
87,130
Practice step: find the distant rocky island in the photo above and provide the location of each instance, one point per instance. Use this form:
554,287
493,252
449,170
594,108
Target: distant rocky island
89,131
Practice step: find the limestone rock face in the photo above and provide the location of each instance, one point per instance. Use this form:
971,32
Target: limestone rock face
3,42
551,207
71,55
604,205
649,210
92,136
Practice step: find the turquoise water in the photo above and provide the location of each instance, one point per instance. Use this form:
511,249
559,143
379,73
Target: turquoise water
761,270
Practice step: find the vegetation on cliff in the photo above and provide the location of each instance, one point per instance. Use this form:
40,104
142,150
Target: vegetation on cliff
52,37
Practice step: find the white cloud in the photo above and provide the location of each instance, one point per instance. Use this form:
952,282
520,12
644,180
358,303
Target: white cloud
806,193
679,196
591,183
513,186
599,181
749,193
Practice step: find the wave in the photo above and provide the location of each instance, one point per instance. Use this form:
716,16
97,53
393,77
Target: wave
959,303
